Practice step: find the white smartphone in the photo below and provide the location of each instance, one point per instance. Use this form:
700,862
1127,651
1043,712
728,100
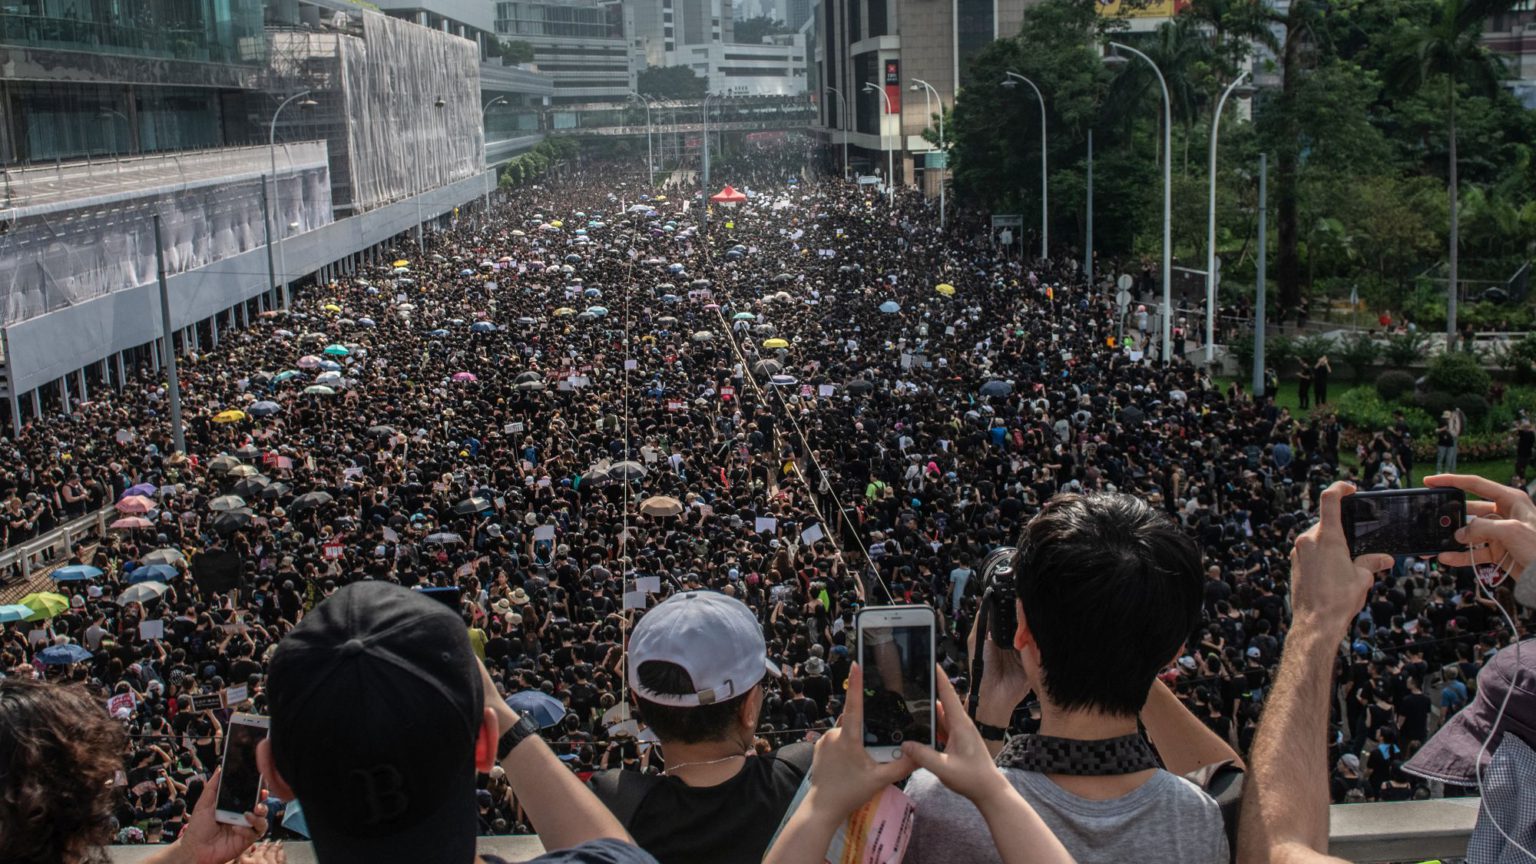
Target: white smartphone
896,652
240,781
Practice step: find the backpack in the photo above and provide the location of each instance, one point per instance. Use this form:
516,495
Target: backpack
622,792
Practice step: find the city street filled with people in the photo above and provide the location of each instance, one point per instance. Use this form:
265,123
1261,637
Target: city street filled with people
559,414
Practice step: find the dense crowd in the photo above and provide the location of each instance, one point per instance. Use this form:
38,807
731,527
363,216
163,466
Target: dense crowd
579,406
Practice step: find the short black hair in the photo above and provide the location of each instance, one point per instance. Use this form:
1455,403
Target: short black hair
1111,589
690,725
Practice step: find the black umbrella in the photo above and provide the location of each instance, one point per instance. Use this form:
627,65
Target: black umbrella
311,499
250,487
232,520
274,491
471,506
996,388
249,452
859,385
220,465
525,377
382,431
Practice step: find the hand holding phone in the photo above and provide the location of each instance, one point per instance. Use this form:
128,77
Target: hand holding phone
240,788
896,653
1403,522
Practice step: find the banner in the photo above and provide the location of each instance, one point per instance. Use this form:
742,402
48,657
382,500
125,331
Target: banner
893,85
1141,8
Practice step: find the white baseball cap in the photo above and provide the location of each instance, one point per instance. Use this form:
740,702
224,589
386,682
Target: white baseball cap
716,639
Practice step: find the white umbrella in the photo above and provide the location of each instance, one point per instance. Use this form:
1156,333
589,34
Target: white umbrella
142,592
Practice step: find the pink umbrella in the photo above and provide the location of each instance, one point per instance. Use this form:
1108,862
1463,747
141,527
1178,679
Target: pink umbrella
468,377
135,504
713,307
129,523
309,361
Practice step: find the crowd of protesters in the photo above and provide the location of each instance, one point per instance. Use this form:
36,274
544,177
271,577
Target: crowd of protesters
575,407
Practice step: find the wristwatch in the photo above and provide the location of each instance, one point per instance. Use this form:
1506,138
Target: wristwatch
992,733
522,730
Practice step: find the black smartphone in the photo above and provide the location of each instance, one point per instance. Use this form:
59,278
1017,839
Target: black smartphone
1404,521
447,596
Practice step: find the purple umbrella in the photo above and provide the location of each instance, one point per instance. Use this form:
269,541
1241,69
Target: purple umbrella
146,489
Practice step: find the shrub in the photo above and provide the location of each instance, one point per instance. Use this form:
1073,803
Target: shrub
1360,408
1518,358
1474,406
1434,403
1405,349
1393,383
1241,347
1458,373
1310,348
1277,350
1360,350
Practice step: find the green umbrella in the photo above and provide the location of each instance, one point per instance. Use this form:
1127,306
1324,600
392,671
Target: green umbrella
337,350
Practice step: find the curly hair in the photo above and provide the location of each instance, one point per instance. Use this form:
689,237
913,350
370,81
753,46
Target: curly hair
59,752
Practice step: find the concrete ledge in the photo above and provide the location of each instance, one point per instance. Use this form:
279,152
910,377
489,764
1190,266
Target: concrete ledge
1366,833
1402,831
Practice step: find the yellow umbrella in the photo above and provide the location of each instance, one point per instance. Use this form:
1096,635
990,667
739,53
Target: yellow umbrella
402,263
331,307
233,415
44,605
775,343
945,288
556,223
565,310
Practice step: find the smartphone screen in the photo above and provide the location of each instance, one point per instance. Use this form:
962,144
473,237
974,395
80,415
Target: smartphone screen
896,654
240,783
1404,522
447,596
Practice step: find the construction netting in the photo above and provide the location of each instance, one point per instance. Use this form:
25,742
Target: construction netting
57,253
412,110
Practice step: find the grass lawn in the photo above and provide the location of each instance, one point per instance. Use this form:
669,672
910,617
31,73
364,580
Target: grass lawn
1499,470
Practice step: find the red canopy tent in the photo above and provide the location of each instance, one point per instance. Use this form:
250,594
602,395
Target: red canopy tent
727,196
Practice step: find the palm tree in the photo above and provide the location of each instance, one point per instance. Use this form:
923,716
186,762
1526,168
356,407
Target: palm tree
1449,46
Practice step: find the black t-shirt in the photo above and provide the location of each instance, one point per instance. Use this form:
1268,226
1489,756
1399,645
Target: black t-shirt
731,823
1415,709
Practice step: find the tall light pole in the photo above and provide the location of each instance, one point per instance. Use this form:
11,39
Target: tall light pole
650,164
1210,224
842,122
890,155
276,210
485,133
1045,207
704,205
1113,60
928,88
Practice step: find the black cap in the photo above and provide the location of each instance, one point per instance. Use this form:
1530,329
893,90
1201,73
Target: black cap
376,705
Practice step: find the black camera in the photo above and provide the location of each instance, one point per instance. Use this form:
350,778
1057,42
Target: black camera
999,614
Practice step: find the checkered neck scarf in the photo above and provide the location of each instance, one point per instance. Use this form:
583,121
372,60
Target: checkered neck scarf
1110,756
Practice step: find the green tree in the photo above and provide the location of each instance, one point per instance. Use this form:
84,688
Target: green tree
671,82
1448,51
753,31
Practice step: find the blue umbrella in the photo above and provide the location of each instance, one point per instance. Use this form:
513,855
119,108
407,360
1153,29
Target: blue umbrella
598,311
76,573
890,307
466,272
675,268
545,709
995,388
263,408
366,322
63,655
330,366
593,292
14,612
152,573
286,376
482,327
438,333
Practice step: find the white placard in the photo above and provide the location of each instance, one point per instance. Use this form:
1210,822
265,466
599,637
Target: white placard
765,524
152,630
631,363
812,534
634,599
825,389
648,584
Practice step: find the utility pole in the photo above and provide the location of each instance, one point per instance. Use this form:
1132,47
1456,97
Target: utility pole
1088,252
266,228
168,345
1258,311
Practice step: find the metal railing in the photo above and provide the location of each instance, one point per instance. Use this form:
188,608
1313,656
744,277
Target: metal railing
23,559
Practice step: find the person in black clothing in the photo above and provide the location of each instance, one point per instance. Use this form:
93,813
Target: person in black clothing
1525,441
696,664
1413,713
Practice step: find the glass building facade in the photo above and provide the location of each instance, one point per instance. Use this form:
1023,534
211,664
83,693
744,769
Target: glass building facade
207,31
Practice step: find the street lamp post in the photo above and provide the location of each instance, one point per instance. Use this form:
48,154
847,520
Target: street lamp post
704,205
1114,60
1210,225
484,133
842,122
927,89
276,210
890,154
1045,207
650,163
